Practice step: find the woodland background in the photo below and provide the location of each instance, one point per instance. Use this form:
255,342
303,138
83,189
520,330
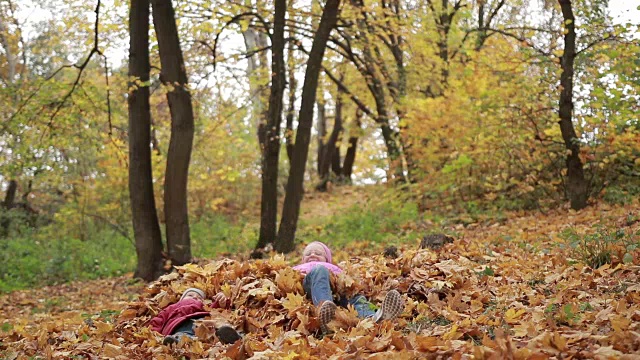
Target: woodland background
141,135
463,109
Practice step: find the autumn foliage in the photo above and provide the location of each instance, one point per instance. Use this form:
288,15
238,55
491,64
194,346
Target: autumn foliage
514,290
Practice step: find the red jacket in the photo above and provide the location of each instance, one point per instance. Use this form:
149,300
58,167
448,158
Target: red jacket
171,316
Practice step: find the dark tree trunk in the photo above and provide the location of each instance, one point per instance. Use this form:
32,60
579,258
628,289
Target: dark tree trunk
293,197
329,149
350,156
376,87
336,136
7,204
269,209
322,133
292,101
444,25
10,196
577,186
143,207
174,76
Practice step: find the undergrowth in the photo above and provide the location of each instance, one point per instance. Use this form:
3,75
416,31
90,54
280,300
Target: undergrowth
50,255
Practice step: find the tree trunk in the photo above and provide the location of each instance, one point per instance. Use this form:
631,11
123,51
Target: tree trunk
376,87
269,206
174,76
7,204
293,197
350,156
329,150
143,207
322,133
293,85
336,136
253,65
577,186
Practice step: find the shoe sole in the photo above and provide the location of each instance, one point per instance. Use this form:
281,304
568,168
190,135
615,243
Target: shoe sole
169,340
392,306
326,313
227,334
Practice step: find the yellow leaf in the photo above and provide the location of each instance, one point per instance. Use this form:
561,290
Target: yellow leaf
512,315
292,301
102,327
452,334
111,351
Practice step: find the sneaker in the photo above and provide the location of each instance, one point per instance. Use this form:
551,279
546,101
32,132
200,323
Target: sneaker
392,307
326,313
227,334
168,340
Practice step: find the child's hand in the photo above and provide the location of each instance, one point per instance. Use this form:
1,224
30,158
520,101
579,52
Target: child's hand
221,299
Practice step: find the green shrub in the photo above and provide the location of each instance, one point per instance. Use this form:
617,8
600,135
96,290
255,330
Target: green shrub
597,248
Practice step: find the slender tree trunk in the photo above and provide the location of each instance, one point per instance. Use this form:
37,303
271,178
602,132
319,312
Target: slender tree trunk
143,207
269,208
577,186
376,87
322,132
338,129
329,150
293,197
293,85
350,156
251,40
174,76
444,25
11,55
7,204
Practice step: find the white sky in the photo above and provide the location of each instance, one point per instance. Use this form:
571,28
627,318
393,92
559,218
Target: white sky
624,11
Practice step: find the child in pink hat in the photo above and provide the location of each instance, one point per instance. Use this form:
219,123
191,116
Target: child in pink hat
316,266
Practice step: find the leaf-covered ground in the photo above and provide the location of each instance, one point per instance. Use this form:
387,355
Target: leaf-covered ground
510,290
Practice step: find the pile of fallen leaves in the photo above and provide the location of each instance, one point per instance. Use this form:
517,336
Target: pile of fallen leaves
498,291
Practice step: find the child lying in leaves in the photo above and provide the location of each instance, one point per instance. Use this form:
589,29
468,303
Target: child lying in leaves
177,320
316,266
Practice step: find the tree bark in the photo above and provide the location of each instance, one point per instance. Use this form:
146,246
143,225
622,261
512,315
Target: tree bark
350,156
293,197
174,76
329,149
293,85
269,206
336,136
251,41
143,207
7,204
376,87
322,132
577,185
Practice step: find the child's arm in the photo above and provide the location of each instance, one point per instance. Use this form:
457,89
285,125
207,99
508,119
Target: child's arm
220,300
158,321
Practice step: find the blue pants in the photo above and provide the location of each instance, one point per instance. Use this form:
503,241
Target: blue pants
185,328
317,286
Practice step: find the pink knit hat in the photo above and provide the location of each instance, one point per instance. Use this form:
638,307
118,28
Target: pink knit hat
326,249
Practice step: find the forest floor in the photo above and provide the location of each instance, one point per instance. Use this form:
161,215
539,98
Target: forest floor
513,289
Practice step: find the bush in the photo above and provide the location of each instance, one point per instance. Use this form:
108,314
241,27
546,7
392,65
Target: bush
597,249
